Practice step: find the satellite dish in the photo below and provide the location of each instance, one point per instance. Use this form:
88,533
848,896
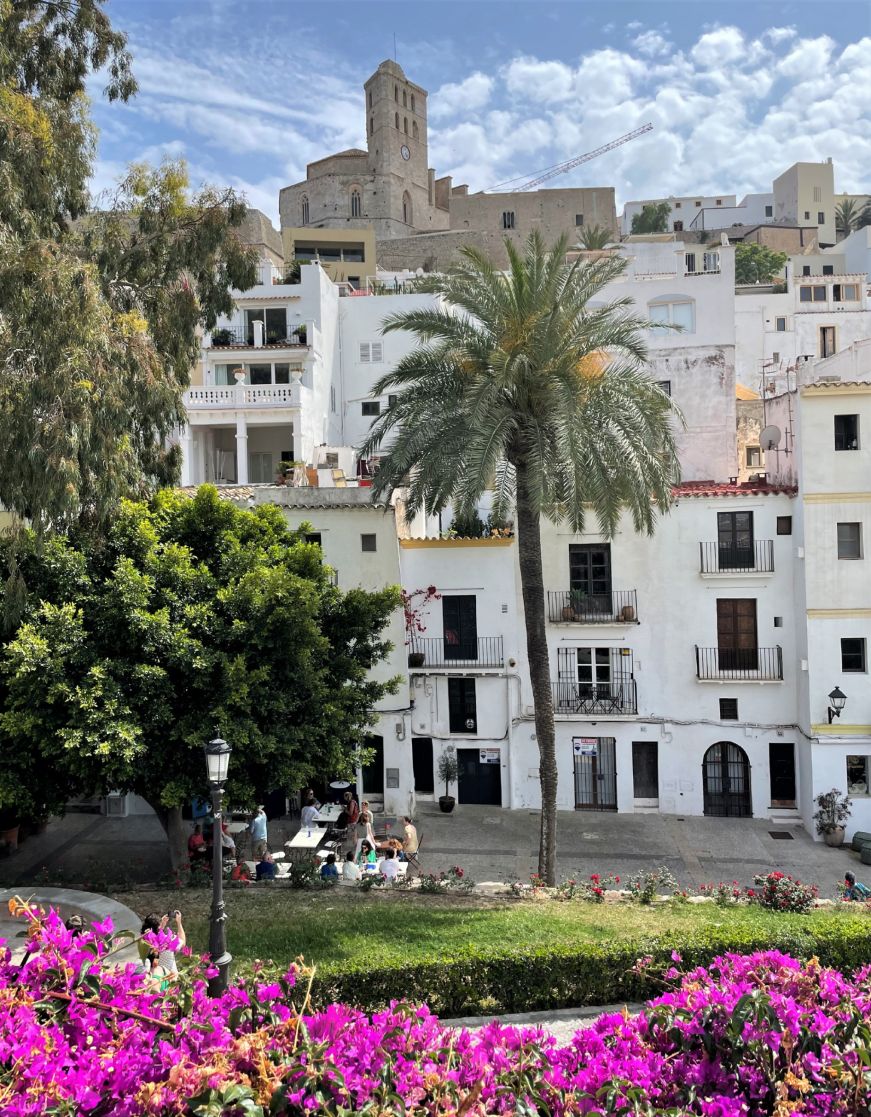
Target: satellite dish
769,438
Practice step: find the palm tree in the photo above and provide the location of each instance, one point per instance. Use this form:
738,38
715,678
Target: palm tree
519,384
594,237
864,217
846,214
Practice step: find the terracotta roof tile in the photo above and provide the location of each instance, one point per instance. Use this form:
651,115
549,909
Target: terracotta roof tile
732,488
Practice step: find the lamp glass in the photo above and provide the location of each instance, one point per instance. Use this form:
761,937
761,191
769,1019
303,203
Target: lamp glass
838,699
217,760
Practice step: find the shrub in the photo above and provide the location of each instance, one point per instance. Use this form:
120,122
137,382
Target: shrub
781,892
722,894
454,880
647,885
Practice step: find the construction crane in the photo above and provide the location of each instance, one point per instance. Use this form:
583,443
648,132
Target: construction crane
570,164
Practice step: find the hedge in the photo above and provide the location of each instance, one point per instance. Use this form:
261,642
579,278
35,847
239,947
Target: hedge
527,980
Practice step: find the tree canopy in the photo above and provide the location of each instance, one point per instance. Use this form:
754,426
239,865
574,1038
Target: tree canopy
100,310
193,615
652,219
757,263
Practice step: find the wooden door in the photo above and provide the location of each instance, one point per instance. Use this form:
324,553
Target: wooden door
645,769
735,540
737,641
460,624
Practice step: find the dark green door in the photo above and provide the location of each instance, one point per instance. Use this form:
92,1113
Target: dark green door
480,781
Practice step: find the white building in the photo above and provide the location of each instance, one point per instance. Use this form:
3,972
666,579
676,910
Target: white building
683,210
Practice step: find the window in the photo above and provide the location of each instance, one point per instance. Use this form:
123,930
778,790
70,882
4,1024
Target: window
846,432
818,193
850,541
415,131
274,321
370,98
807,215
391,401
853,653
858,775
508,219
407,212
404,99
812,294
827,341
806,269
753,456
594,671
396,120
590,577
356,202
780,325
368,543
396,94
677,205
303,210
845,292
371,125
821,220
412,102
719,202
674,313
579,220
664,386
728,709
371,352
690,262
371,407
460,626
313,537
778,622
828,269
784,525
678,226
775,357
405,125
769,211
333,398
698,205
462,708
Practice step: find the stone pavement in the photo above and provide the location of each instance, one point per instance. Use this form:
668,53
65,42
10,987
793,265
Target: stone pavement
67,902
491,845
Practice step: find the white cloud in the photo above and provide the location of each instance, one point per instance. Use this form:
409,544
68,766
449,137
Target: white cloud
725,44
536,80
651,43
464,96
780,34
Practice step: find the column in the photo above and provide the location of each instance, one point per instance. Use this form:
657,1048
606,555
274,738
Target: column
187,456
241,448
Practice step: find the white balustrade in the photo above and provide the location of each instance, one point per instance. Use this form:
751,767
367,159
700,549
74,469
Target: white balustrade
246,395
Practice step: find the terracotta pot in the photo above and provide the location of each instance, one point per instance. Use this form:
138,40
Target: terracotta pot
834,838
627,613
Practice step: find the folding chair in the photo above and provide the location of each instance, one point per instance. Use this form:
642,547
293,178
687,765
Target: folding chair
412,858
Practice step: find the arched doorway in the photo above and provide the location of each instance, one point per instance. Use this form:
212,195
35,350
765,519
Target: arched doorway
726,779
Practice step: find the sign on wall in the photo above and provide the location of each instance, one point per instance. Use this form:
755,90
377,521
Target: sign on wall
585,746
489,756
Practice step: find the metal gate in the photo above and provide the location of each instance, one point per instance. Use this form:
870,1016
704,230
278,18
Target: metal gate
595,773
726,779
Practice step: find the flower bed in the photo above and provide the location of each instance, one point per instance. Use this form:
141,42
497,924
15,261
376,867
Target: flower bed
755,1034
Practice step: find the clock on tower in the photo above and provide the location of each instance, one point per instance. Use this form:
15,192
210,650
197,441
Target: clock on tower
404,152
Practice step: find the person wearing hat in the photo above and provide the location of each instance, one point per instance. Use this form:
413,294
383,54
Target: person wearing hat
257,827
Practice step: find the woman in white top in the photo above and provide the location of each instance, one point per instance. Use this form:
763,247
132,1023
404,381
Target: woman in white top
350,869
366,820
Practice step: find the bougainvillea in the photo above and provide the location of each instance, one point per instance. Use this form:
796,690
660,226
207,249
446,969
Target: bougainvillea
757,1034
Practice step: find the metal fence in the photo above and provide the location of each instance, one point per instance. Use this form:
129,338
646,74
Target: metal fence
483,651
719,558
617,697
619,606
739,663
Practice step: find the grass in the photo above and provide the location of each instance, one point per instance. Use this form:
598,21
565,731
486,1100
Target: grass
332,928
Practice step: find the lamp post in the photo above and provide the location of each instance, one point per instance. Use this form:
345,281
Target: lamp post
217,762
837,700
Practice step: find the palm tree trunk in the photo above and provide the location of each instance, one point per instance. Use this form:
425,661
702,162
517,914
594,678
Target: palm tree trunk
532,586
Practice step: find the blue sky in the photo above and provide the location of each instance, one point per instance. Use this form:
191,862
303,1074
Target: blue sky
249,91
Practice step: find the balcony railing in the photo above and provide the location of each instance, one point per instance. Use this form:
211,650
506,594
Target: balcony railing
246,395
485,651
755,558
618,607
739,663
617,697
230,339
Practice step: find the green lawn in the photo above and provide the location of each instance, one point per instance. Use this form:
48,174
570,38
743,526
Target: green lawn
340,926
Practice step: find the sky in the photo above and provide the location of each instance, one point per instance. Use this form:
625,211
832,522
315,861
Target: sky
249,91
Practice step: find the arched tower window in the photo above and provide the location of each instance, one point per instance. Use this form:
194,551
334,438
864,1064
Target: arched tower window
303,207
412,102
356,202
370,98
396,94
405,125
396,118
371,125
404,99
415,131
407,214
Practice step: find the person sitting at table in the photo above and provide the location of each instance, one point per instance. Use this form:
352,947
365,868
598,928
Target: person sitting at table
310,813
241,872
196,843
366,856
265,869
329,869
227,843
391,843
410,842
350,871
389,868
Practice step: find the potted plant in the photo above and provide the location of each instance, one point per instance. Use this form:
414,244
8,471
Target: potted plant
413,605
301,333
833,812
449,772
222,337
577,603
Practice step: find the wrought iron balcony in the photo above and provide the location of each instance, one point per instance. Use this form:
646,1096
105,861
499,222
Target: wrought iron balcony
484,651
618,607
617,697
231,339
755,558
739,663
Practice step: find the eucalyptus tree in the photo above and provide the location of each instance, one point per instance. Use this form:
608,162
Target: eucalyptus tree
531,382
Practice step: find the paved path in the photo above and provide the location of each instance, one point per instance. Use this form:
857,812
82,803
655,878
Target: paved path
561,1022
491,844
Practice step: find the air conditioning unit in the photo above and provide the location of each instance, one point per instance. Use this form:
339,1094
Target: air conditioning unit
115,805
529,711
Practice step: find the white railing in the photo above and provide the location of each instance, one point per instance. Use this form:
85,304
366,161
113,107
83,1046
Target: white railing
246,395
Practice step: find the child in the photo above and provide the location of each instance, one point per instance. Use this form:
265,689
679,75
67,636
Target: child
329,871
853,890
350,871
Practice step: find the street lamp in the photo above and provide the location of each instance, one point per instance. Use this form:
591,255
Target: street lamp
217,762
838,701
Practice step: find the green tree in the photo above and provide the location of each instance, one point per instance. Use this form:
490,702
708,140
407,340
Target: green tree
594,236
846,214
192,615
100,311
864,217
652,219
519,384
756,263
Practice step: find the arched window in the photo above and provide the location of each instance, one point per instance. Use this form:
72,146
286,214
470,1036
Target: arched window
412,102
673,310
407,214
405,125
415,131
370,98
726,786
303,206
404,99
396,94
371,125
356,202
396,118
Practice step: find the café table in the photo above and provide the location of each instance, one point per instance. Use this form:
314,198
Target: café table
328,815
236,827
306,841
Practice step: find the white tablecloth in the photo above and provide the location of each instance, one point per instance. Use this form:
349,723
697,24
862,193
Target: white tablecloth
328,814
306,839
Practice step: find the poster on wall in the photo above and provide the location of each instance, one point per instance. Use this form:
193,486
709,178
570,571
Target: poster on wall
489,756
585,746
